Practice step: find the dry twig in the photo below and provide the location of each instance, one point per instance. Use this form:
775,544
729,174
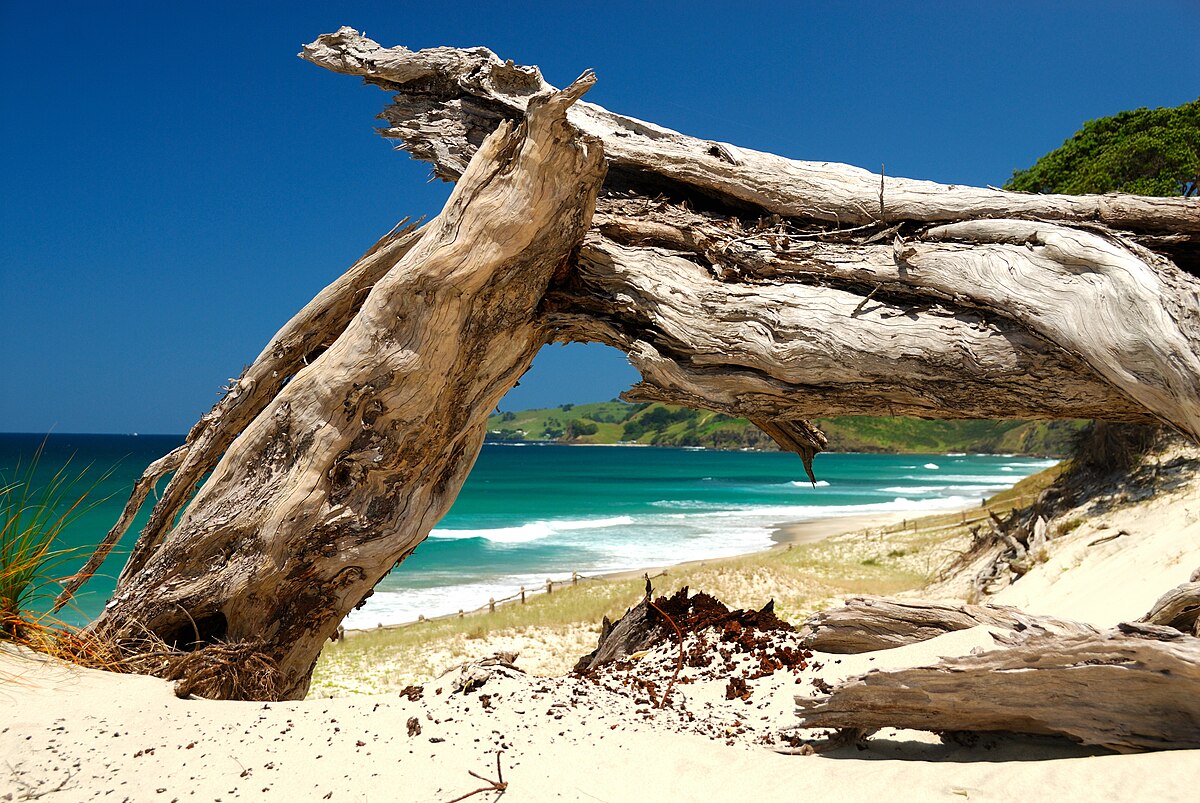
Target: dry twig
679,662
494,786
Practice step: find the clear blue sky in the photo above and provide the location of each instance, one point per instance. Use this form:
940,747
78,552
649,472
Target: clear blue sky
176,183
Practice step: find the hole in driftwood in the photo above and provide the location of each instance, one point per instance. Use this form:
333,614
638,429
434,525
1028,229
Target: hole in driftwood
194,632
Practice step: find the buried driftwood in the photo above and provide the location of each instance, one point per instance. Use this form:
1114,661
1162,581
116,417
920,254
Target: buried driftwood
737,281
864,624
1179,608
1127,689
653,621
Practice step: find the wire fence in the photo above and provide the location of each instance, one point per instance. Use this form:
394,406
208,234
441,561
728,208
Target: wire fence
490,606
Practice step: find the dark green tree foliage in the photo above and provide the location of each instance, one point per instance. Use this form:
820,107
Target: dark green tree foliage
1144,151
577,427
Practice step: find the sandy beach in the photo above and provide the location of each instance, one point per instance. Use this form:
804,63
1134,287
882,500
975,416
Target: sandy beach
807,532
75,734
78,734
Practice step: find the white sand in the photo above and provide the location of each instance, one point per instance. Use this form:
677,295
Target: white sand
1118,579
71,734
110,737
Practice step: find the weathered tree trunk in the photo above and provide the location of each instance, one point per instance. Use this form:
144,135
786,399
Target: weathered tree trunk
1127,691
776,289
864,624
301,340
738,281
353,461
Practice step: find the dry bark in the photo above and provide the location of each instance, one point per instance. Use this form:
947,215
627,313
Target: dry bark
864,624
302,339
1126,690
738,281
447,99
778,289
345,470
1179,608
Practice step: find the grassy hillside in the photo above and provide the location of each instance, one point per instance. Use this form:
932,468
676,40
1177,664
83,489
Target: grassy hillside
665,425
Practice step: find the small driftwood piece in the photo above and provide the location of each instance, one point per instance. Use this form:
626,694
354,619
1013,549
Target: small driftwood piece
864,624
1125,691
1178,608
637,630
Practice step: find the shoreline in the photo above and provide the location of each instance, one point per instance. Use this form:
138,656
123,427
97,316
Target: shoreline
897,452
784,535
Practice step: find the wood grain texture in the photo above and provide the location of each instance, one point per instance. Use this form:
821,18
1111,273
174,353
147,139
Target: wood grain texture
446,99
822,289
864,624
1179,608
782,350
353,461
301,340
1126,691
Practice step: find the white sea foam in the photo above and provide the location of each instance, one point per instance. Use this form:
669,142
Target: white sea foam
807,484
501,535
995,480
932,466
1006,468
591,524
928,489
533,531
777,513
395,606
688,504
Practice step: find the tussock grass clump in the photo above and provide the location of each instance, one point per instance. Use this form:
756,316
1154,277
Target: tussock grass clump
34,512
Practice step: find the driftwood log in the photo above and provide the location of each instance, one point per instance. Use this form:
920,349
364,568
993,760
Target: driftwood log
864,624
778,289
737,281
301,340
1127,690
1179,608
356,458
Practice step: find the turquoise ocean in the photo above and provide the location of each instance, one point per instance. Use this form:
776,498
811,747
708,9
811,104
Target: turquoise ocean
535,511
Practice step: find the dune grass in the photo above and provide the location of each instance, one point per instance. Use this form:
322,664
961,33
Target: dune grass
34,512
